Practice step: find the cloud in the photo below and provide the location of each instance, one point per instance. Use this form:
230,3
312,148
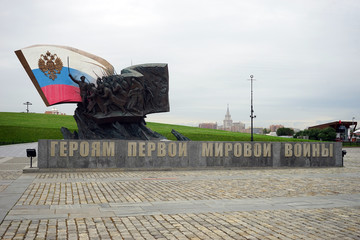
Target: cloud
303,54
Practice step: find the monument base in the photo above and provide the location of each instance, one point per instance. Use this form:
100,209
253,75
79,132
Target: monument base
157,155
91,128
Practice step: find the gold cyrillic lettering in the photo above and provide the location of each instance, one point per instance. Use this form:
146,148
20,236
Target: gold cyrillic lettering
131,149
63,148
306,148
324,150
182,149
161,149
95,149
297,149
257,149
172,149
108,149
288,150
247,150
237,150
228,148
84,149
219,150
331,146
72,147
151,147
141,149
267,150
53,147
207,150
316,150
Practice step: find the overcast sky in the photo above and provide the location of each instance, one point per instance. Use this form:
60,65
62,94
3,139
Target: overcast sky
304,55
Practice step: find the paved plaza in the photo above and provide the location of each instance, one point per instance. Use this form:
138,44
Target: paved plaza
287,203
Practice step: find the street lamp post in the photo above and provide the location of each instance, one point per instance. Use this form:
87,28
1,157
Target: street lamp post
252,116
352,134
27,106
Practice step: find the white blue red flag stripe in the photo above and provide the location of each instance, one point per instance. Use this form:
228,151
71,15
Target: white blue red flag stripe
48,66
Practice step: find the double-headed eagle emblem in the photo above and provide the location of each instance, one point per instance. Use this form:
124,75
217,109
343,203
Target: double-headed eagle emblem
50,65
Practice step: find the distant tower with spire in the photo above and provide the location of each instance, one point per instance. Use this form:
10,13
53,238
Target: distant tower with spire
228,122
229,125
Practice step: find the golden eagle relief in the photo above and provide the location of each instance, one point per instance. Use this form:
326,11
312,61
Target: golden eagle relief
50,65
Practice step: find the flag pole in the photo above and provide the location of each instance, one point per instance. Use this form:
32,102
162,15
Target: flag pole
68,65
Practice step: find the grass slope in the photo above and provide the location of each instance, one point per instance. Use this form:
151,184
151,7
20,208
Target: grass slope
30,127
203,134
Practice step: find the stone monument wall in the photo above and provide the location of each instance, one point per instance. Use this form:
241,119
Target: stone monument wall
185,154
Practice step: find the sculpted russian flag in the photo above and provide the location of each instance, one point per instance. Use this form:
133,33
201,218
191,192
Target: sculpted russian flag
48,66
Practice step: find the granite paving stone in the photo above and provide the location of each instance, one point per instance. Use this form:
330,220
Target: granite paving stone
291,203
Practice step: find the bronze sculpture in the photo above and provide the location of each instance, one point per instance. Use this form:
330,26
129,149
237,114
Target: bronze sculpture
110,105
117,106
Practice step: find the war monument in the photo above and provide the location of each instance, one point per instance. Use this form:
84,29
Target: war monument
111,112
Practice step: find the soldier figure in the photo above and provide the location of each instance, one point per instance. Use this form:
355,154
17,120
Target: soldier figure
83,88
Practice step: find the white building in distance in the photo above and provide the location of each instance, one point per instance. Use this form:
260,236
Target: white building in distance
229,125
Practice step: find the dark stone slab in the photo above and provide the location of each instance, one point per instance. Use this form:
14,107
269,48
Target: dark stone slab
184,154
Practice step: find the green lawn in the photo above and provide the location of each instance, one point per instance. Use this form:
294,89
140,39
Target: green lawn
203,134
30,127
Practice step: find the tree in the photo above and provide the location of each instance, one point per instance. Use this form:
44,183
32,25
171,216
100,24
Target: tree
285,132
313,133
327,134
299,134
